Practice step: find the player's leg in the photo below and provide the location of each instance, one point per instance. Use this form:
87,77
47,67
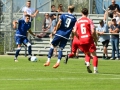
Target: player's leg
28,44
92,49
73,52
85,48
87,61
77,53
18,43
54,43
95,62
55,52
62,44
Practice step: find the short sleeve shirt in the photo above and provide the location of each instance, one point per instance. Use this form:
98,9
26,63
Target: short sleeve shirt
29,11
113,28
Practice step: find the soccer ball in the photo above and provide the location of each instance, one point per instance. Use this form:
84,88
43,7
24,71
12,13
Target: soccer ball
33,59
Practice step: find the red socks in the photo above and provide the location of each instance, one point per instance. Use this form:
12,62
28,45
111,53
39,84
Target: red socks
87,58
95,61
71,55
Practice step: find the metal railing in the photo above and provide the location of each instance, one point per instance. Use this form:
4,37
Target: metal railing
7,45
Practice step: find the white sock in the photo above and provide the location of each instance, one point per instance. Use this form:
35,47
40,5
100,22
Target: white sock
29,56
58,61
88,63
48,60
95,68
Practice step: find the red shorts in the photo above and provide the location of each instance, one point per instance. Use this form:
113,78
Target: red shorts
75,46
90,47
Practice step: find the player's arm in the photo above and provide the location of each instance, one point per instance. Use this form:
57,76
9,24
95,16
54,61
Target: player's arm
31,32
75,30
94,35
15,24
95,38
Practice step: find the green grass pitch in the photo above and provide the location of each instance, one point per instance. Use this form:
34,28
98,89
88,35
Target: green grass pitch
26,75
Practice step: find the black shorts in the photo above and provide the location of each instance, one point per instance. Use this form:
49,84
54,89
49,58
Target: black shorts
105,43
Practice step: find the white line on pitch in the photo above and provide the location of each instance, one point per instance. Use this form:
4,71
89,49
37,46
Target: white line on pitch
47,79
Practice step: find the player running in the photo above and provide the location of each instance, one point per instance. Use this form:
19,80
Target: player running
63,30
24,26
84,30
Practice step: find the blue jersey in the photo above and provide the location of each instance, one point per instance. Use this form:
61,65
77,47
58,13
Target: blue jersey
67,24
23,27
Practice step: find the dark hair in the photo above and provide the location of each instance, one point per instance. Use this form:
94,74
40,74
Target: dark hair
47,14
28,1
52,6
60,5
71,8
27,15
85,11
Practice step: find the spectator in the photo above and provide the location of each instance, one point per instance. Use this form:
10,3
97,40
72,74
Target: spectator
114,29
113,7
53,8
101,29
60,8
46,26
52,29
116,15
27,10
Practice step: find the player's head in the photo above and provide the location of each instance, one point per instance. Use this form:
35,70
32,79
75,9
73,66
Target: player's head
71,9
28,3
27,18
85,11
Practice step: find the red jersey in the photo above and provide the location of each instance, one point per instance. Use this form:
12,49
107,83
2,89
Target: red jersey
84,26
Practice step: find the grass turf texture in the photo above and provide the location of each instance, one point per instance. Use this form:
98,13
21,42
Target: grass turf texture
25,75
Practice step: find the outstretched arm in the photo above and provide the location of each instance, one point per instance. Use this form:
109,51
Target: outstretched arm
31,32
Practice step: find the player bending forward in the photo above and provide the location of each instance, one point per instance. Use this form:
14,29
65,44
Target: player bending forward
84,30
63,29
21,35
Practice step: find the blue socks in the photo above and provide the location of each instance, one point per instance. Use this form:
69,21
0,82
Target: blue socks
60,54
29,50
17,52
50,53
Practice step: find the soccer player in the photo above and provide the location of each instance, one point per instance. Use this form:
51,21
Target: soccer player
63,29
24,26
74,48
84,31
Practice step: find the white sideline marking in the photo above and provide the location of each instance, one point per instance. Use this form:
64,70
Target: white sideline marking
47,79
